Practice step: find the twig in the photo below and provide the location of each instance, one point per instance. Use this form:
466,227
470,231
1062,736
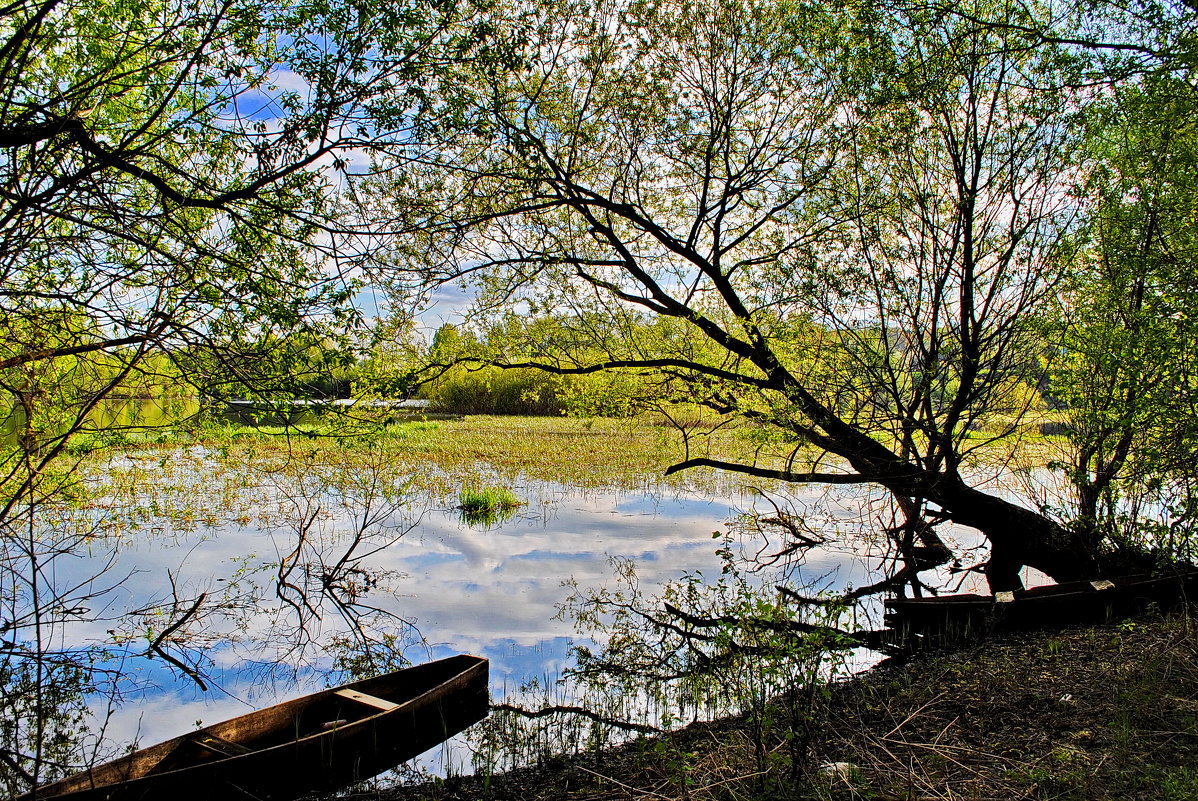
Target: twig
911,717
627,787
730,779
157,648
643,728
945,747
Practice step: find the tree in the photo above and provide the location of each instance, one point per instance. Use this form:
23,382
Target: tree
893,188
168,172
1125,372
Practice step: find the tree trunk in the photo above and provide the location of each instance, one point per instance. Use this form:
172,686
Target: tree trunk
1018,536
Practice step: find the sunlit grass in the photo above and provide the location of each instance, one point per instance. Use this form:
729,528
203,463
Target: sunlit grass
487,505
487,499
438,458
229,475
628,454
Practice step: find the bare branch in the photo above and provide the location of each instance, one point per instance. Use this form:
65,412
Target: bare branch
641,728
780,475
156,645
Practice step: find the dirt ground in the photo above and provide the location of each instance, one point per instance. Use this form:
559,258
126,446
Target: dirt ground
1106,712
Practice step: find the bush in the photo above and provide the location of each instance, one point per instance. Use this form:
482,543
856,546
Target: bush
527,391
493,390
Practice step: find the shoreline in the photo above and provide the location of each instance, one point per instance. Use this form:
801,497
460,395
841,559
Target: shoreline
1101,712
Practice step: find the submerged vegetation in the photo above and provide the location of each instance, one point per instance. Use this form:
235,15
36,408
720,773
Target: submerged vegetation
627,452
487,505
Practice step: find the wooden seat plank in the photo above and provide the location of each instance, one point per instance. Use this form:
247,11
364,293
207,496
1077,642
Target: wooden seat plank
220,745
370,700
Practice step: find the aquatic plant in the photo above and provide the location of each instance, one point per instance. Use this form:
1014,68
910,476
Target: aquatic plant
485,505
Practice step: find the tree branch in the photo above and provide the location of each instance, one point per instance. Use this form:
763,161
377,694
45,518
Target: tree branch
157,648
75,350
614,364
576,710
780,475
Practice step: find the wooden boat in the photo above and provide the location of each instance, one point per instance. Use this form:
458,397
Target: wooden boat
935,620
313,744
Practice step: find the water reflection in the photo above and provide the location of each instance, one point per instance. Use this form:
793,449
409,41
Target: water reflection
310,572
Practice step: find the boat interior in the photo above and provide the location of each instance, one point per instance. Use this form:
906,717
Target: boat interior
289,722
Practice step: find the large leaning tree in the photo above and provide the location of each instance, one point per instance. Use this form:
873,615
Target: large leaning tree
849,220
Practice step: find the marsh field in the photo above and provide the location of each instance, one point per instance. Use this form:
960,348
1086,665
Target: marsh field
227,568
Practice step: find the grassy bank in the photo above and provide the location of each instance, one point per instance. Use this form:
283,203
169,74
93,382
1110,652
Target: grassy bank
1100,713
584,452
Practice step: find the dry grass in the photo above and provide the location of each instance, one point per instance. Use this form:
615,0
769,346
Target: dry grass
1100,713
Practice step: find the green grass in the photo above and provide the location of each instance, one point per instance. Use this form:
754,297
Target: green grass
488,499
486,505
135,478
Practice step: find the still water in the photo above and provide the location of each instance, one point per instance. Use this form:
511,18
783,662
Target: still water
286,567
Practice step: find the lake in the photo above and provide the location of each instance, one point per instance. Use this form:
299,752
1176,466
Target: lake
304,570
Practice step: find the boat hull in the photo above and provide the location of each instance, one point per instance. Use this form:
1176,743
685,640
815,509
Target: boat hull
314,744
943,620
